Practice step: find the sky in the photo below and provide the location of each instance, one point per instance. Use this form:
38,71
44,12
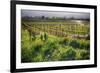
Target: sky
34,13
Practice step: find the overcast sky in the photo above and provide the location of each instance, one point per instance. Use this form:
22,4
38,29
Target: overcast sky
33,13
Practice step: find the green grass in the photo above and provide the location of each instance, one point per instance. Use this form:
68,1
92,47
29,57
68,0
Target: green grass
46,47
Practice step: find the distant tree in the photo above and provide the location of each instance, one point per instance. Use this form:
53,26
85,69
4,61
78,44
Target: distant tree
43,17
72,18
64,18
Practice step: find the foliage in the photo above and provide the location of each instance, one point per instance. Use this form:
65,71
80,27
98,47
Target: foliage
26,55
69,54
53,45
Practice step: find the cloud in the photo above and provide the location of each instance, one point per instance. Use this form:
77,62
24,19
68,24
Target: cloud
33,13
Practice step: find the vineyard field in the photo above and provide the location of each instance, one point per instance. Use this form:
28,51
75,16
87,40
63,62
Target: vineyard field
43,41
